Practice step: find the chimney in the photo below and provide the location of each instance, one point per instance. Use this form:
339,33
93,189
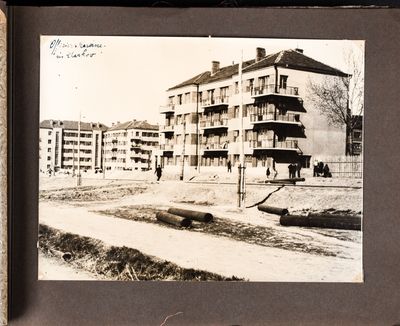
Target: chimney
112,124
299,50
214,67
51,122
260,53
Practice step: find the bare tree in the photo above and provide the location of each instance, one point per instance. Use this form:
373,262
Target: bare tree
340,97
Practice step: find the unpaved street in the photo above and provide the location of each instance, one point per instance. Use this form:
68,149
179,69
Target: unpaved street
197,250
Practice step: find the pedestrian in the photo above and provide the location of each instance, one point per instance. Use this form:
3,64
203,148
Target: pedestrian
320,168
158,172
316,168
229,164
292,170
268,173
298,168
327,174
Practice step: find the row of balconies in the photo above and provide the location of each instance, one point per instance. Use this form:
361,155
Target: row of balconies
289,118
256,91
265,144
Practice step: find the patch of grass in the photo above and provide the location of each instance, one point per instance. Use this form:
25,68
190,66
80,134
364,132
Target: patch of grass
118,263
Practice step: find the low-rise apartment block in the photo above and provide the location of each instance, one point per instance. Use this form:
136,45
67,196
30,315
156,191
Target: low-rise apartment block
131,146
58,145
202,122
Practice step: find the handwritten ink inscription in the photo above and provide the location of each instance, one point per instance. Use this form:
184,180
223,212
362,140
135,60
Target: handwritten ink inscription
74,50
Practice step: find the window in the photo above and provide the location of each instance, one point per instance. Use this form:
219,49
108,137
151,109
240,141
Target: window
49,132
187,97
49,141
224,93
283,81
236,112
49,150
263,82
179,98
236,87
211,96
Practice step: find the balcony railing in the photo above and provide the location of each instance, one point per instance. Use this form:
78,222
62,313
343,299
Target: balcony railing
270,89
216,100
213,124
167,147
170,108
269,144
215,146
290,117
167,128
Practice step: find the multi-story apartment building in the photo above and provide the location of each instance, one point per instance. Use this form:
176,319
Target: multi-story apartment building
202,123
58,145
130,146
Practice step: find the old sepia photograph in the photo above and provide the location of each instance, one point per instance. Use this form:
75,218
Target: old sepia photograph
200,159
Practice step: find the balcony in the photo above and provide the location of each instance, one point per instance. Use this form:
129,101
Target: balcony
167,129
167,147
216,101
266,90
215,147
170,108
213,125
266,144
271,118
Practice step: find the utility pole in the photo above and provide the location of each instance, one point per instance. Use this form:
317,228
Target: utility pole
242,168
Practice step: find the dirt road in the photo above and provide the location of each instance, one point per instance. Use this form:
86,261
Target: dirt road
202,251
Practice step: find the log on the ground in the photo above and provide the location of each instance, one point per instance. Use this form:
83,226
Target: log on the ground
173,219
289,180
193,215
344,222
272,210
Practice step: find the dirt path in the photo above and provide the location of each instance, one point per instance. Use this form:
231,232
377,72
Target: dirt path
201,251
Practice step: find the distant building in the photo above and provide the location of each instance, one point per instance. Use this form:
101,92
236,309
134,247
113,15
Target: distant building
357,134
202,114
130,146
58,145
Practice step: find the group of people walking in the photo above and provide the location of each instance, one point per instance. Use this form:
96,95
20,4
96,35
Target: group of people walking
321,169
294,168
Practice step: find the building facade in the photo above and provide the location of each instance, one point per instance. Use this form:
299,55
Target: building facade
131,146
58,145
202,116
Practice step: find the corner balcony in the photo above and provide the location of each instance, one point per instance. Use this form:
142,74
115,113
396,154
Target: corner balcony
260,91
214,125
215,102
279,119
268,145
170,108
167,129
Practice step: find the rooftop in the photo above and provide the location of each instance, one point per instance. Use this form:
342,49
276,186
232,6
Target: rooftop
72,125
292,59
133,124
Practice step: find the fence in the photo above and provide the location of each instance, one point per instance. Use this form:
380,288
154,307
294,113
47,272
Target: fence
344,166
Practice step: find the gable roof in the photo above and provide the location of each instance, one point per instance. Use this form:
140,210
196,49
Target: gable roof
134,124
293,59
287,58
72,125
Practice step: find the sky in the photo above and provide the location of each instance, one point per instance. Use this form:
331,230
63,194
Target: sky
117,79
